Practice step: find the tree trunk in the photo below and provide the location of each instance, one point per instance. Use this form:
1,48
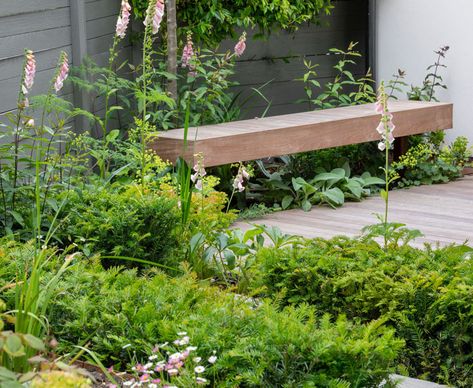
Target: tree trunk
172,47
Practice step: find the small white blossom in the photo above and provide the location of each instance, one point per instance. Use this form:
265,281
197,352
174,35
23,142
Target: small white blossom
212,359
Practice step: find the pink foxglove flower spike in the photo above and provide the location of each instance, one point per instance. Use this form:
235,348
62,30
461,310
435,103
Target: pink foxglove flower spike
124,19
188,51
199,172
62,73
155,15
188,54
386,126
238,182
29,71
240,47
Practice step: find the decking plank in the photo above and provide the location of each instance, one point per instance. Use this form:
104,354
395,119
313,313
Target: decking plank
444,213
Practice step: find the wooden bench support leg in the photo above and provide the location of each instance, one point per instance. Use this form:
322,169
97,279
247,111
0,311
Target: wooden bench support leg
401,145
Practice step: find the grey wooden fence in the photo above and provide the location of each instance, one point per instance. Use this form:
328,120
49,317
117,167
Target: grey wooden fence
280,59
79,27
86,27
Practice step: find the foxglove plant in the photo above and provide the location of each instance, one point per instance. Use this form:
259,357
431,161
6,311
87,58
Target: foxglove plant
188,55
120,33
154,16
27,81
199,173
123,19
62,73
32,296
239,182
385,129
240,47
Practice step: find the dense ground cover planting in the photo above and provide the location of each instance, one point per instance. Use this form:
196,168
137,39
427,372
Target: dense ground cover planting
112,256
424,294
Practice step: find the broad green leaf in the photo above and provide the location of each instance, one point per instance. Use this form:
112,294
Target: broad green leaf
373,181
306,205
250,234
334,196
13,346
354,187
286,201
112,135
34,342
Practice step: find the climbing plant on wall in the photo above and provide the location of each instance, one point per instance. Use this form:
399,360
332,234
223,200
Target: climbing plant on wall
211,21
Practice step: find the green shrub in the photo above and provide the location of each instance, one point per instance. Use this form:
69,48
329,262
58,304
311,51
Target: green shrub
122,316
124,223
424,294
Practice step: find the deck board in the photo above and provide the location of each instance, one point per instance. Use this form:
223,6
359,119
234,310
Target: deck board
443,213
298,132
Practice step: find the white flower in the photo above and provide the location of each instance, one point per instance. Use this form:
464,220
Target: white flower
153,357
381,146
128,383
148,365
191,348
200,380
197,359
184,341
173,372
199,369
182,333
212,359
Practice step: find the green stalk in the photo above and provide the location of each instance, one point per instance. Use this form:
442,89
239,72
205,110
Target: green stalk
386,199
111,59
145,87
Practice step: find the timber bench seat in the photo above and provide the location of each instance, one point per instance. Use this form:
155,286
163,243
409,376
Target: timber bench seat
299,132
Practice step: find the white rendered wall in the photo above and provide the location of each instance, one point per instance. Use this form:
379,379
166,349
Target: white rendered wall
408,31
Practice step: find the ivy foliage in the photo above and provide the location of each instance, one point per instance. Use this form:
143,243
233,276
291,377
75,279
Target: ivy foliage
211,21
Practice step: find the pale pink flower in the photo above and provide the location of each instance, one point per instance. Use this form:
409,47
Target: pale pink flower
212,359
155,15
200,380
62,73
29,71
188,51
173,372
238,182
240,47
144,378
199,174
123,19
30,123
386,127
378,107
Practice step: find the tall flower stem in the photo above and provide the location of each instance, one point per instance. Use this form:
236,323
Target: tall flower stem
145,89
111,60
385,129
386,198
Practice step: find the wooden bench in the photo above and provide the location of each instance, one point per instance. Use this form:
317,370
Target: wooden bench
299,132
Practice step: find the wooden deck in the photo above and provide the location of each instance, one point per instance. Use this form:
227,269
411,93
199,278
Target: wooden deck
443,213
